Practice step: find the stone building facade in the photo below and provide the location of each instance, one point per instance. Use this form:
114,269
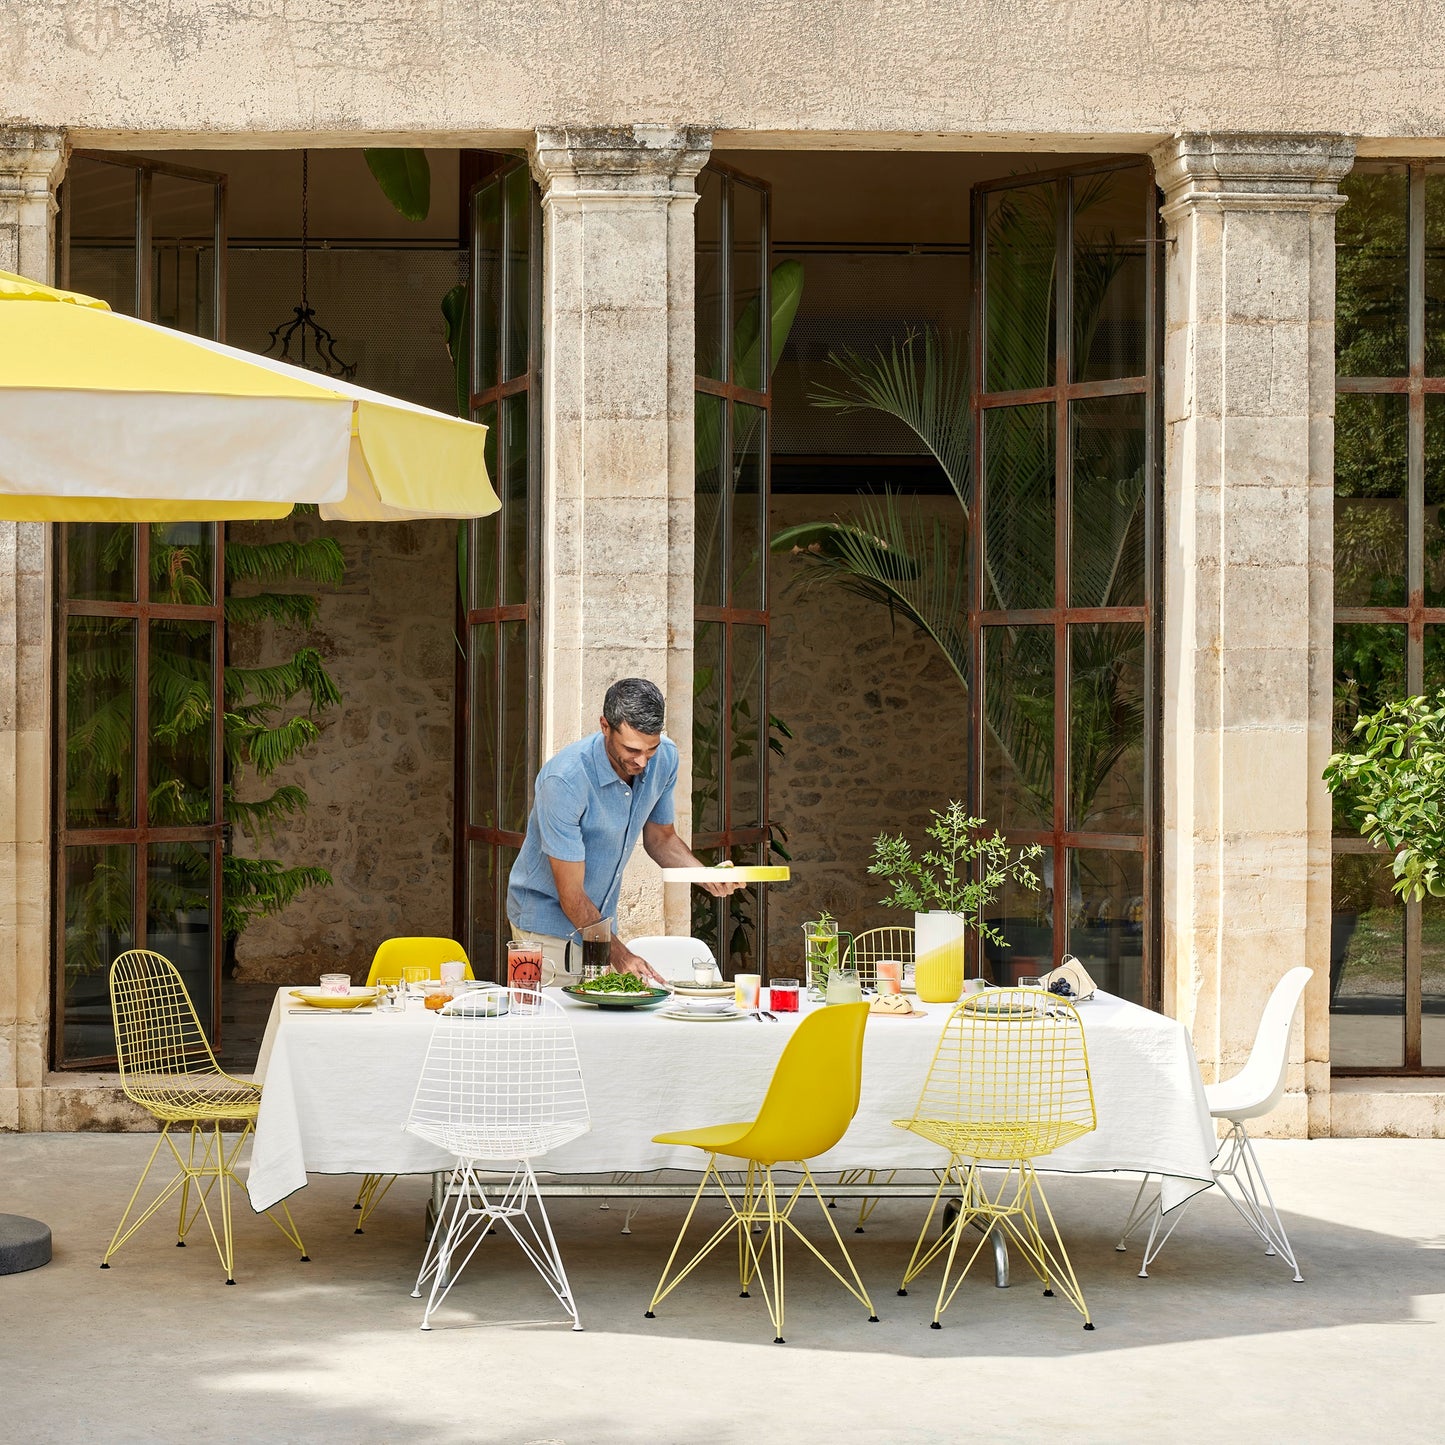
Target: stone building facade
1252,118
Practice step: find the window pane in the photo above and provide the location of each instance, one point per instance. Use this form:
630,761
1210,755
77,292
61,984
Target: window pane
101,559
183,563
1369,671
708,571
1108,542
1372,273
711,354
1432,983
749,510
1024,917
1018,714
518,186
513,488
100,722
483,535
488,927
99,925
749,208
1021,246
1106,727
182,723
729,926
707,728
1110,325
1106,919
1019,507
1434,274
1371,484
1433,538
183,253
101,201
513,741
486,283
1367,965
483,724
180,917
749,739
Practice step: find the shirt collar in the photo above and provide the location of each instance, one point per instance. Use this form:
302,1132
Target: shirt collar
602,770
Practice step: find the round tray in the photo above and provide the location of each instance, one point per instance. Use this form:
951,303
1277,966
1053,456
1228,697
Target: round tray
616,1000
357,998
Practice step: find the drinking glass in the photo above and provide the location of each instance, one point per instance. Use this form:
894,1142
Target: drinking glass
337,983
889,976
414,973
524,964
783,995
747,989
453,971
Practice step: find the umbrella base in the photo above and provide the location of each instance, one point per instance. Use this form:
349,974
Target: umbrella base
24,1244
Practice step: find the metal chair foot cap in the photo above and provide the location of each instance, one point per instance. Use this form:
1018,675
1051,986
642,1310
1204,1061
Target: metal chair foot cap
1118,1249
779,1340
305,1259
426,1327
180,1244
358,1231
745,1295
105,1266
872,1319
903,1292
648,1315
1143,1274
858,1230
1088,1327
230,1281
832,1204
935,1326
1048,1294
356,1206
416,1294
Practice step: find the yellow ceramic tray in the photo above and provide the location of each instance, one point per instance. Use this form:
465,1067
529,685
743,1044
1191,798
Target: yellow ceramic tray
742,873
357,998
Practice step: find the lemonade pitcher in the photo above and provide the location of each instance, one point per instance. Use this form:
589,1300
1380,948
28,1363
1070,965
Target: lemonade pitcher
824,946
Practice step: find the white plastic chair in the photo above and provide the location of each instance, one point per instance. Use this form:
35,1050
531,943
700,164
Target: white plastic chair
505,1091
672,957
1254,1090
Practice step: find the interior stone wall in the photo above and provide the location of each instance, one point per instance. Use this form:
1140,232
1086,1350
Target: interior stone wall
880,727
380,775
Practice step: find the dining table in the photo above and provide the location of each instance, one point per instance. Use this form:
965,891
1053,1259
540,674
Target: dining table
338,1085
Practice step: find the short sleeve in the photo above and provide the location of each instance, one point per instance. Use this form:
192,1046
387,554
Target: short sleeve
557,811
663,811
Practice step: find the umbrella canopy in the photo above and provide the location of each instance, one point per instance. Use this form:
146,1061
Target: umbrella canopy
104,418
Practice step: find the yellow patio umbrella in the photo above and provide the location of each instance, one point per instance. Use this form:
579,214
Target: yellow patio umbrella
104,418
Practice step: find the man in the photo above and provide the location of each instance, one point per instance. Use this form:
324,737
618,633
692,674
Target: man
592,802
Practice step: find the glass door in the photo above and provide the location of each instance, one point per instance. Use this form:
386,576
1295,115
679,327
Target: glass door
733,397
1065,562
138,644
500,558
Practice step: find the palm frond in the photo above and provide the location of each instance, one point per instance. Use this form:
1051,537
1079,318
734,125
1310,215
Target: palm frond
318,559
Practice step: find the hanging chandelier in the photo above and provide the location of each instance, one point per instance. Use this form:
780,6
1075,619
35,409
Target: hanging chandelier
314,346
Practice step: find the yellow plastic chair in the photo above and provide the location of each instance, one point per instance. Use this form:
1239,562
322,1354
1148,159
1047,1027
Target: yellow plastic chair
386,966
1009,1083
393,953
810,1102
167,1067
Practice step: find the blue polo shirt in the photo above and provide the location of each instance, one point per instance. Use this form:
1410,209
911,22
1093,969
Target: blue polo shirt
582,812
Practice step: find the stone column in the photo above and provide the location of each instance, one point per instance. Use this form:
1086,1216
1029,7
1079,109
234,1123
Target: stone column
1248,574
618,418
31,164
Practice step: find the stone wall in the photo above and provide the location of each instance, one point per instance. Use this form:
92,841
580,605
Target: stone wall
380,775
880,727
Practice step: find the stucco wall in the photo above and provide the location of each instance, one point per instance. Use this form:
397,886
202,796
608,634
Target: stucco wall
880,729
380,775
1024,72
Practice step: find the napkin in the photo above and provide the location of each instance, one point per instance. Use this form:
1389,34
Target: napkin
1078,978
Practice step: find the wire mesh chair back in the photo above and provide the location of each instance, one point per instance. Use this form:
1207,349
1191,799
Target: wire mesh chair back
157,1033
1010,1078
502,1088
874,945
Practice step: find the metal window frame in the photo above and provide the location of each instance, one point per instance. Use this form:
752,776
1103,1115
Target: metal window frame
474,611
1414,616
1061,392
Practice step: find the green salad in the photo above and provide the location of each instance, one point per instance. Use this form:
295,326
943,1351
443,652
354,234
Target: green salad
614,982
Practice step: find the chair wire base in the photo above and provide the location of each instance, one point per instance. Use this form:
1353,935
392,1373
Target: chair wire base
204,1163
1241,1180
1013,1211
757,1211
468,1213
373,1190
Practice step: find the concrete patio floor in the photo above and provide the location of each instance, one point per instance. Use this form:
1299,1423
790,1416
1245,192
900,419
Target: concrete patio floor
1218,1343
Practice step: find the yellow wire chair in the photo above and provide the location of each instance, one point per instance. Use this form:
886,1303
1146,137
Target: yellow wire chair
810,1102
167,1067
391,956
868,950
1009,1083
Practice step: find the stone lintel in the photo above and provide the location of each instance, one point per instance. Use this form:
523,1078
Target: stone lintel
598,162
1243,171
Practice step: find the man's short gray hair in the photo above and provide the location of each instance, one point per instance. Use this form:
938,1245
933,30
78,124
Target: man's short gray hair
635,701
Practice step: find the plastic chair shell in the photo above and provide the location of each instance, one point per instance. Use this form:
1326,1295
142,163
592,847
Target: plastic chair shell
387,963
672,957
1259,1085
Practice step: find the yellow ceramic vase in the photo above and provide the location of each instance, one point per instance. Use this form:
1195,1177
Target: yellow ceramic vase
939,966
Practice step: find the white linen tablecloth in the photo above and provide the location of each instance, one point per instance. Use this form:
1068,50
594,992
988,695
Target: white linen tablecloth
338,1086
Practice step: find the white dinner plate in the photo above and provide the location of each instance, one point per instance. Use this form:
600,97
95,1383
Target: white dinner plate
689,1016
693,990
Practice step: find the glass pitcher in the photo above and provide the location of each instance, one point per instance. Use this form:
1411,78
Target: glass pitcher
844,985
824,946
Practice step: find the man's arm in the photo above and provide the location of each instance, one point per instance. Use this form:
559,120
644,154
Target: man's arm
581,910
667,850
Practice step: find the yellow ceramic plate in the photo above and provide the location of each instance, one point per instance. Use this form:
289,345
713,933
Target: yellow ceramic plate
357,998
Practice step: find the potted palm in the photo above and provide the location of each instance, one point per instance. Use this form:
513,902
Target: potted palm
947,888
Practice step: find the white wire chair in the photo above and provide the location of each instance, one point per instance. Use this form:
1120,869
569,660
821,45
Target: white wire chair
1255,1090
501,1091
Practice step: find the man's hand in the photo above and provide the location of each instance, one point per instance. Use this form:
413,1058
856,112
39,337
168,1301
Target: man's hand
721,890
625,961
